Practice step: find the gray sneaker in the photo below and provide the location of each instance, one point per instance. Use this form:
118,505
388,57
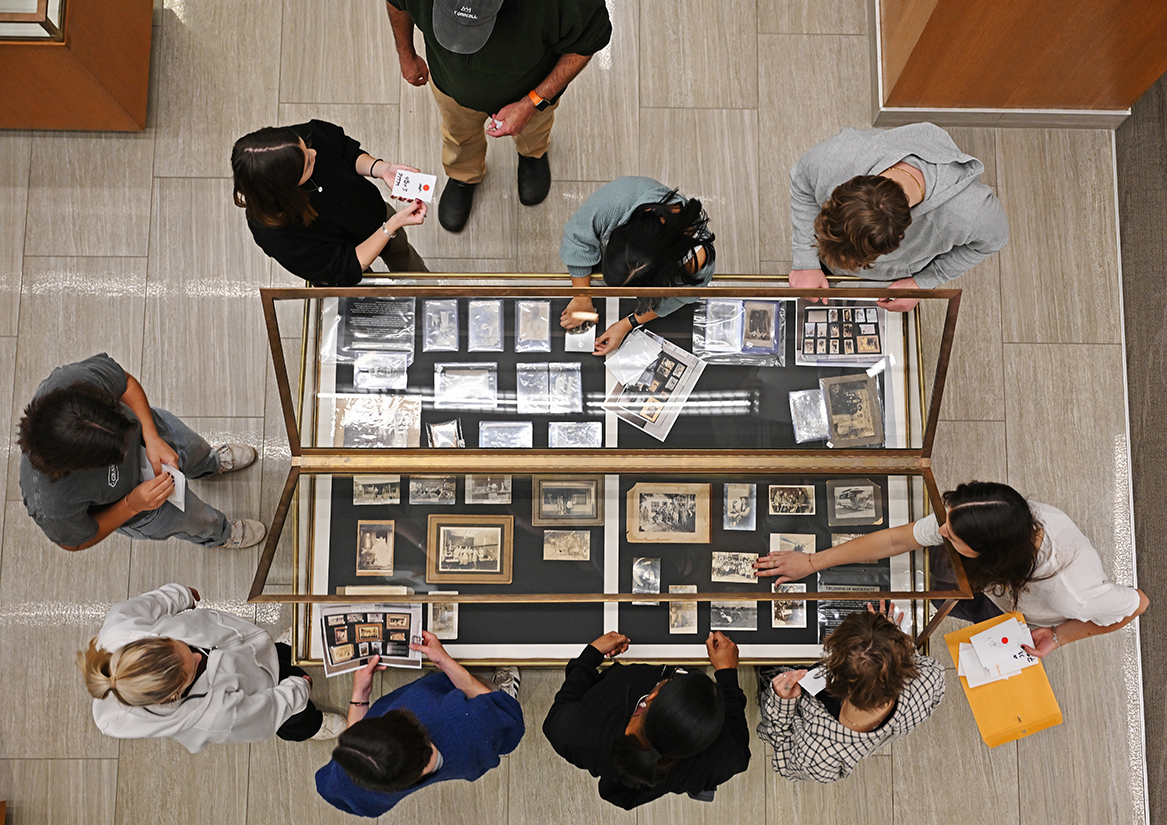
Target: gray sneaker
332,726
234,457
245,532
507,680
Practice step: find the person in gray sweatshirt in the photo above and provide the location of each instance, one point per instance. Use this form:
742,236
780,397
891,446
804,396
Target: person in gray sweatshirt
902,205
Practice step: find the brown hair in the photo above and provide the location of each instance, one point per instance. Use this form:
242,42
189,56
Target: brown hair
869,660
78,427
145,672
866,217
267,165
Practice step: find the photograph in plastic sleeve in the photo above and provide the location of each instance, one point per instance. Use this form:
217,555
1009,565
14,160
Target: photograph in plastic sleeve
682,615
377,421
854,413
442,617
466,386
724,323
734,567
645,577
853,501
567,545
808,413
440,330
740,507
788,614
384,324
792,543
486,332
488,489
374,548
761,326
380,370
506,435
564,388
733,615
653,403
376,490
792,499
748,333
581,338
532,326
433,489
446,435
575,434
532,383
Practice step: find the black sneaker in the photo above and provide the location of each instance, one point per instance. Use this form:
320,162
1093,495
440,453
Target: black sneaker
454,206
534,180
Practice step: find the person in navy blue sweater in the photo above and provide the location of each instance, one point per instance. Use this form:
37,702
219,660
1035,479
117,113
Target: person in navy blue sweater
446,725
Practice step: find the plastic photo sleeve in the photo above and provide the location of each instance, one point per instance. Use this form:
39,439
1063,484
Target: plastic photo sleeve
808,413
532,326
575,434
441,326
466,386
564,388
446,435
485,326
381,370
531,385
508,435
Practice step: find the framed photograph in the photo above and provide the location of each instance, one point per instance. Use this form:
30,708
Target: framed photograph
488,489
570,501
853,501
442,617
668,513
368,632
734,567
740,507
567,545
682,615
792,543
792,500
398,621
791,613
342,653
340,635
853,410
376,490
469,549
433,489
374,548
733,615
375,618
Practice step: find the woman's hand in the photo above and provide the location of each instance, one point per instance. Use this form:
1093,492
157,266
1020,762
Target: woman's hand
150,495
722,651
580,303
363,679
611,339
432,649
389,172
786,685
809,279
1043,642
888,609
612,644
411,214
788,565
158,452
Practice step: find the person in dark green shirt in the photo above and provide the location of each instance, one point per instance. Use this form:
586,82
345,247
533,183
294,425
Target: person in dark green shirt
502,61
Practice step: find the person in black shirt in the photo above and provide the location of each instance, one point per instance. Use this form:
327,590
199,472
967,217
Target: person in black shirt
310,207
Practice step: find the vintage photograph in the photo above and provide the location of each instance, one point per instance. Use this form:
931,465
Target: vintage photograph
354,618
442,617
853,410
375,648
853,501
867,344
488,489
669,513
485,326
760,326
374,548
363,649
340,635
571,501
792,500
334,620
567,545
469,549
734,567
532,326
740,509
368,632
788,613
375,421
376,489
433,489
843,538
646,575
792,543
341,653
682,615
397,620
733,615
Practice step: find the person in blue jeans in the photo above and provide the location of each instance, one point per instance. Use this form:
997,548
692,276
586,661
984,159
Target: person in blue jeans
447,725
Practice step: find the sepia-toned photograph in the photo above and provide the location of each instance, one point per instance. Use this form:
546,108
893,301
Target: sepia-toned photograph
682,615
785,613
734,567
570,501
853,410
843,538
341,653
853,501
433,489
733,615
760,324
354,618
340,635
567,545
740,507
442,617
669,513
397,620
368,632
792,543
645,575
374,548
469,549
363,649
334,620
867,344
792,500
488,489
376,490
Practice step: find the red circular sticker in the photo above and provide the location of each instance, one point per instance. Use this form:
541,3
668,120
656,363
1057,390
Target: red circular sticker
425,187
1004,640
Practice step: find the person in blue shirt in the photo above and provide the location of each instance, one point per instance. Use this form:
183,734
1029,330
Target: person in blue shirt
447,725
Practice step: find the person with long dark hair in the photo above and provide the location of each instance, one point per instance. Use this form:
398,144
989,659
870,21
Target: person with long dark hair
311,203
647,730
1019,556
638,233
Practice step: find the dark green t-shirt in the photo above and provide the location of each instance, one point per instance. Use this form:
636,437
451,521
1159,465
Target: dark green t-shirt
528,38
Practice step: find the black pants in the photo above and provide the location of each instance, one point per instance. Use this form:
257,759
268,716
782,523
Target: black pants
399,254
977,609
305,723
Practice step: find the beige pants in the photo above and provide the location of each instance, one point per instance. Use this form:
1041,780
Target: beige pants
464,137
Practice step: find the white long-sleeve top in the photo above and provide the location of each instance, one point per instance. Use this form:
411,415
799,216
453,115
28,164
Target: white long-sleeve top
238,697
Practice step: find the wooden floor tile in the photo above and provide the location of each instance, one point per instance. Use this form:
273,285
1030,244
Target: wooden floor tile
807,17
314,70
15,162
160,781
60,791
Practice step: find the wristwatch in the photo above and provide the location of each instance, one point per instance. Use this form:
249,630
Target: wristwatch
539,102
632,320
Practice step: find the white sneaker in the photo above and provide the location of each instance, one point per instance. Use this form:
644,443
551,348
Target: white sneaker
245,532
234,457
333,726
507,680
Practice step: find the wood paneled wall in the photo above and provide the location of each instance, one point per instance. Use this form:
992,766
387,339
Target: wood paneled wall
1021,54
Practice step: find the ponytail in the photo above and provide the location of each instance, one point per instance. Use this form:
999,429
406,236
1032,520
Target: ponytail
145,672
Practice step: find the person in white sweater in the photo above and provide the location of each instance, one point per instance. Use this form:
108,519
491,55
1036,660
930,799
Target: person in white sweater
161,669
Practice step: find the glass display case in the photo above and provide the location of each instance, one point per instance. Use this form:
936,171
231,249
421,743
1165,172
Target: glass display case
453,445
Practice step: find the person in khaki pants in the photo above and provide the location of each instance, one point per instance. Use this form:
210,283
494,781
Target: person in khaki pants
500,61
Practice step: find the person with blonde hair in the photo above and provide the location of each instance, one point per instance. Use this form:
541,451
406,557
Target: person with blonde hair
160,668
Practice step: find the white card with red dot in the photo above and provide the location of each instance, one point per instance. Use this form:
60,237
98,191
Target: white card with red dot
1000,646
410,186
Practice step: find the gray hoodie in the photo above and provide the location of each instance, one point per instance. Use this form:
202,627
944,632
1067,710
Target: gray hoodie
957,225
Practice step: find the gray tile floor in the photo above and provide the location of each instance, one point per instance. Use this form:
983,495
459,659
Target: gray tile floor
129,244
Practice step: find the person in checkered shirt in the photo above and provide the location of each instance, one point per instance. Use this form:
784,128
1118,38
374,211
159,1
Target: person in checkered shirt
878,688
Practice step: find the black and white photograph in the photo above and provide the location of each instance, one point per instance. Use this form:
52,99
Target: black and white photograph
488,489
374,548
723,326
433,489
786,613
843,538
760,326
792,543
532,326
334,620
570,501
646,575
354,618
734,567
733,615
376,490
853,501
853,410
472,386
740,507
485,326
682,615
442,617
669,513
441,325
567,545
373,421
340,635
792,500
469,549
363,649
